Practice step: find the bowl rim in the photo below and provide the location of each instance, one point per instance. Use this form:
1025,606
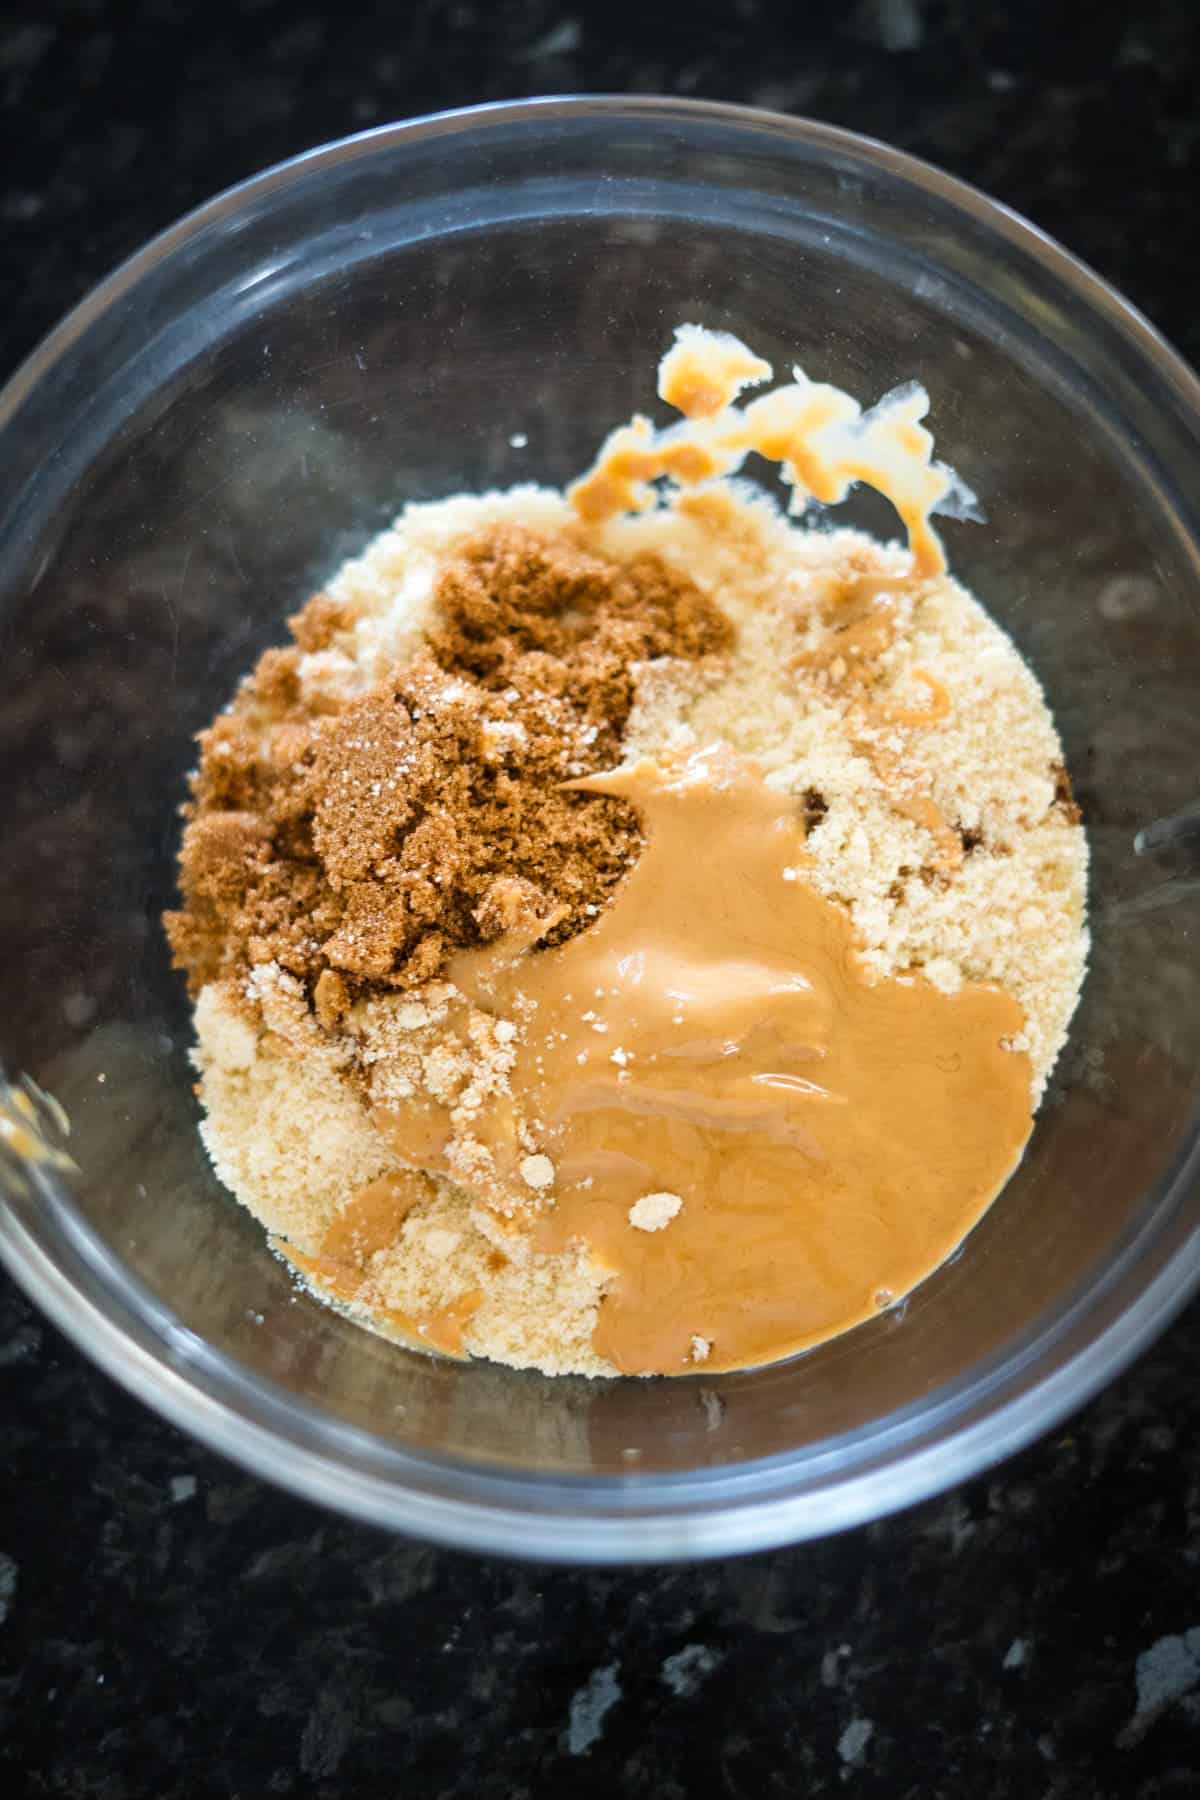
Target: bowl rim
1019,230
641,1518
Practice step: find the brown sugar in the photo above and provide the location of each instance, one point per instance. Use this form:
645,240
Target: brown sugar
361,843
1064,794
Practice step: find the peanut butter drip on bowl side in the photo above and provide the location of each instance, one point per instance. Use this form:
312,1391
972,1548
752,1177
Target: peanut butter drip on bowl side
820,436
712,1040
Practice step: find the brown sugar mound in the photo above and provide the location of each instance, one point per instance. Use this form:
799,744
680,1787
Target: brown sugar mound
362,846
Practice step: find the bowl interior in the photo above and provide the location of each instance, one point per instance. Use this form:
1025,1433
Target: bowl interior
474,306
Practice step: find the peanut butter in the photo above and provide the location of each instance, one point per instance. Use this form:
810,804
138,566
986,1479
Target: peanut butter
713,1038
911,797
25,1114
705,371
862,613
373,1216
822,438
368,1223
439,1329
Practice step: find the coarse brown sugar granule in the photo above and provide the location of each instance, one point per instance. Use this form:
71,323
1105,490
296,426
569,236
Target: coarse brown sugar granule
360,840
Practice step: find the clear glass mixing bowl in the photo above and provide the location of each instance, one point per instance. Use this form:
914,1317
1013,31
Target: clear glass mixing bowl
468,301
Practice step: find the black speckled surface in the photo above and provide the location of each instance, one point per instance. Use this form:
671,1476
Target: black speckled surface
171,1627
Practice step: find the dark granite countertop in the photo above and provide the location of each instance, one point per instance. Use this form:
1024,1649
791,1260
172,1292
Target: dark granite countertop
172,1627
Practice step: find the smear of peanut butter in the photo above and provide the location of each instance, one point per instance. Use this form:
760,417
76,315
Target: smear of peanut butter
823,439
713,1037
862,615
704,371
910,792
936,707
25,1112
369,1222
440,1329
372,1218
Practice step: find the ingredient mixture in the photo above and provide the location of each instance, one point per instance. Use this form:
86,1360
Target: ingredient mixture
630,930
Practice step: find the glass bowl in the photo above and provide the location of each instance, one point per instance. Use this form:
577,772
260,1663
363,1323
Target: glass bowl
467,301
